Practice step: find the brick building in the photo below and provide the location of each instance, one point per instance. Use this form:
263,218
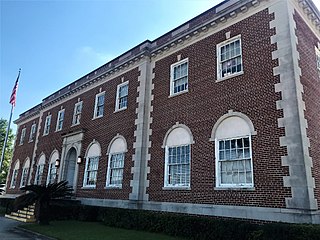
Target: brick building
220,116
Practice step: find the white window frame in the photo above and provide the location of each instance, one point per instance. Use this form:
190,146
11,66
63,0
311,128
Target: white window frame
32,132
219,61
52,173
117,107
46,129
173,80
15,173
218,166
167,169
77,114
111,170
39,174
96,105
60,119
88,172
23,136
318,58
24,176
14,178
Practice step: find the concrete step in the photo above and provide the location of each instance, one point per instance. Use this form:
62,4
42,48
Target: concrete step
20,219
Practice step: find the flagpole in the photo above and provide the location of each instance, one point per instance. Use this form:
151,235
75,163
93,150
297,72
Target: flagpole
13,103
6,139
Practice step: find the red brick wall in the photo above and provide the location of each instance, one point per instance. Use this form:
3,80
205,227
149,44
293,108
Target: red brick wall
307,41
252,93
21,152
102,130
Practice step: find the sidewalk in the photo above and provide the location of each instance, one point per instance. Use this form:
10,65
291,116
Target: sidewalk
9,231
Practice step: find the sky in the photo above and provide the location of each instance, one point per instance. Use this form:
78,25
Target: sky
55,42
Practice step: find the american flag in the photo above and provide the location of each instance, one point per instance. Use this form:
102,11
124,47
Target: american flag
14,91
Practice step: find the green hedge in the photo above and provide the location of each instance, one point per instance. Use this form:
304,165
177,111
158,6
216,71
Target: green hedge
187,226
6,205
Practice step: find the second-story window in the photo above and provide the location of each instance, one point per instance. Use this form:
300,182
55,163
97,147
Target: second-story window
229,57
32,132
23,135
77,113
46,129
60,120
99,105
122,96
179,77
318,58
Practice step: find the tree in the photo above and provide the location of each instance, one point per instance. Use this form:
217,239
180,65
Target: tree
9,149
42,195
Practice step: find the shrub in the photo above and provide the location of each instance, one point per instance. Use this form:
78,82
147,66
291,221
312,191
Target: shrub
183,225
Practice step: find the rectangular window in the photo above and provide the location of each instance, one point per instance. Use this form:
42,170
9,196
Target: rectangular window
91,172
229,57
60,120
115,173
77,113
52,173
178,166
14,178
39,174
122,96
318,58
99,105
24,177
179,77
32,132
235,162
23,135
46,129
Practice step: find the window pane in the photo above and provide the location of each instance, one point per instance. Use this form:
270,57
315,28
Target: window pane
237,169
179,165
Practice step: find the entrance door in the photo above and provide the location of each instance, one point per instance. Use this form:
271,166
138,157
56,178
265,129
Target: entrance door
70,166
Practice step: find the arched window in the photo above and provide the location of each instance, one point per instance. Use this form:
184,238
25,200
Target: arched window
15,174
52,170
233,151
116,153
177,144
92,161
25,172
40,168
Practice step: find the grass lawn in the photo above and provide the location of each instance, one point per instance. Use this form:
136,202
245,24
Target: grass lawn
75,230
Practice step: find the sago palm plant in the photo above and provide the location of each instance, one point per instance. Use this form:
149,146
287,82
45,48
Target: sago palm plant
42,196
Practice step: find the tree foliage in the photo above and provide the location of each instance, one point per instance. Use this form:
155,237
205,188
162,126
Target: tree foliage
42,196
9,149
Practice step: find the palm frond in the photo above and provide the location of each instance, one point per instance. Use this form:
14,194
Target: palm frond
24,200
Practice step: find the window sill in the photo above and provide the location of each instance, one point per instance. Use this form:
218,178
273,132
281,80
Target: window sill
30,141
45,135
97,117
113,187
234,188
20,144
119,110
58,130
179,93
76,124
230,76
176,188
88,187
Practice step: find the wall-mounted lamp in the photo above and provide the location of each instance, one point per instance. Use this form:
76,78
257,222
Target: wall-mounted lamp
57,163
79,160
